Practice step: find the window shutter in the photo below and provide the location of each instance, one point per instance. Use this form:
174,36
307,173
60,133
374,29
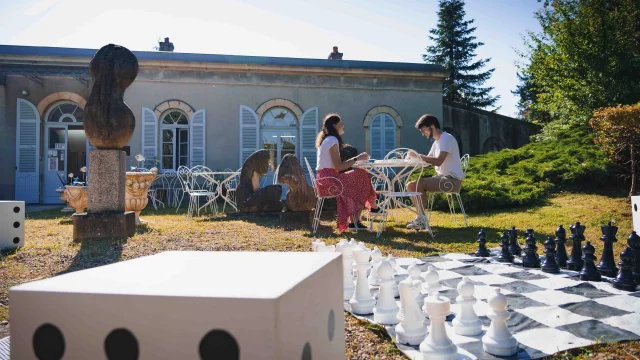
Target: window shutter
248,133
149,134
27,152
197,138
375,130
389,134
308,134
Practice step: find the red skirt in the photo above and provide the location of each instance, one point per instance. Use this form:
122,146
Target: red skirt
356,191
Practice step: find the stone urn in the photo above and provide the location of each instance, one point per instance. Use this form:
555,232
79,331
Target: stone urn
63,198
76,197
136,186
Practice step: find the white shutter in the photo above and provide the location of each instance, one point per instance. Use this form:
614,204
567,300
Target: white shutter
149,135
198,138
389,134
27,152
248,133
375,131
308,134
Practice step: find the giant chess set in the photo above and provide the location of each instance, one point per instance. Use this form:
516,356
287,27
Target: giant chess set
497,303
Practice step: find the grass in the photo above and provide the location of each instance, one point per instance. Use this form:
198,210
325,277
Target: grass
50,250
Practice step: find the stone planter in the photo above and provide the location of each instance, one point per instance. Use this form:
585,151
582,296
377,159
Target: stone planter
136,187
76,197
63,198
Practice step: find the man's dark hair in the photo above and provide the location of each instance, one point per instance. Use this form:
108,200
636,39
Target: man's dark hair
427,120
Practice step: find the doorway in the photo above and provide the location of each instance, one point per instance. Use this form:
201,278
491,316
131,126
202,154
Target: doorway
65,154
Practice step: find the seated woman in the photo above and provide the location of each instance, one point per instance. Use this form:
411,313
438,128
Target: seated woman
358,193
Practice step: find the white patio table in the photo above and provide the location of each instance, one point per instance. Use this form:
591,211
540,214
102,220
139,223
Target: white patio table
226,176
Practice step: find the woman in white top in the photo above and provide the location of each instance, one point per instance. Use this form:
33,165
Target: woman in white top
357,191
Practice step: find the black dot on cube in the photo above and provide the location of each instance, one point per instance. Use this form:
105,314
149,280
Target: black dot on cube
16,224
120,344
16,240
635,207
16,209
219,345
48,343
331,324
306,352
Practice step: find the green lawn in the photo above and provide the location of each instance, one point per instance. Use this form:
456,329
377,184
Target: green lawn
50,250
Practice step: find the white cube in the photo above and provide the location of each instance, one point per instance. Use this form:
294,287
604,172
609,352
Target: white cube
11,224
186,305
635,212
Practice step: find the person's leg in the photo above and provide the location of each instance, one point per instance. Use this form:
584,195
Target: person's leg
421,187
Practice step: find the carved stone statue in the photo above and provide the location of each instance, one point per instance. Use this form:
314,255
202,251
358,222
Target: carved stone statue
301,196
109,123
249,195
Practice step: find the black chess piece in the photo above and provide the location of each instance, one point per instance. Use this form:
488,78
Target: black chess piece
505,255
633,241
589,271
625,280
577,237
482,247
561,250
607,265
531,258
514,247
549,265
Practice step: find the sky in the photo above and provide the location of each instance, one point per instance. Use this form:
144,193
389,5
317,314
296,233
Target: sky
373,30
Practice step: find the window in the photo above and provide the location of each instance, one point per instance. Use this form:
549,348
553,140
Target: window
174,140
279,133
65,112
382,135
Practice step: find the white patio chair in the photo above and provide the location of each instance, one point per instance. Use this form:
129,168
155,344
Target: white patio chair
464,161
183,175
334,191
231,187
198,188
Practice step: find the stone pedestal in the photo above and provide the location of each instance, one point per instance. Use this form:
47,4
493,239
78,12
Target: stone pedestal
296,218
97,226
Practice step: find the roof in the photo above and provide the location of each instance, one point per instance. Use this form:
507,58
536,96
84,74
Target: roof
18,50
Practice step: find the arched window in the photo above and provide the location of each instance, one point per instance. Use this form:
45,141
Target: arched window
382,135
174,139
279,133
65,111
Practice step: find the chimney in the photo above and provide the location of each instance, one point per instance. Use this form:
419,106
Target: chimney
335,55
166,45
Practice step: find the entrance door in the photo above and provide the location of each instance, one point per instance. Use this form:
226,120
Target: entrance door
55,165
279,143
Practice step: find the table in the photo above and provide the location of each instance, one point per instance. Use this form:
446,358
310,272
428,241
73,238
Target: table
381,170
227,176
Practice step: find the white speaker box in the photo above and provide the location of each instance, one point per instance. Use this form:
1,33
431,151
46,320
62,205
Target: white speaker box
11,224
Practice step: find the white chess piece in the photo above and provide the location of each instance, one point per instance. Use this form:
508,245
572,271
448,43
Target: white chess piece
432,281
437,344
467,321
411,329
393,263
349,287
325,248
362,302
376,258
386,309
353,242
414,275
498,339
315,243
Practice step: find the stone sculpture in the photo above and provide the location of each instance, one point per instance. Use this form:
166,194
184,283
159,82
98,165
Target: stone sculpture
250,197
300,196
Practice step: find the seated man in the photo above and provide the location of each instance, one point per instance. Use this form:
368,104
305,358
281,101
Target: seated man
445,156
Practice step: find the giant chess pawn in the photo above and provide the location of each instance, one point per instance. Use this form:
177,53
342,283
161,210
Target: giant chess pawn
561,251
386,309
394,266
432,282
514,247
634,242
482,245
315,243
625,280
362,302
467,321
531,258
437,344
549,265
607,265
411,330
414,275
376,258
505,254
498,340
346,249
577,237
589,271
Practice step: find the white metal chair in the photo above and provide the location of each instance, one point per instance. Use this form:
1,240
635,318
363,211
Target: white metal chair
231,186
464,161
333,191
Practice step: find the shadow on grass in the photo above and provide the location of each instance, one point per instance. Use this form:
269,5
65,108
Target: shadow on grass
95,253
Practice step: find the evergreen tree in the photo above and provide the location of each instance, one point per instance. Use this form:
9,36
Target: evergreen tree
454,48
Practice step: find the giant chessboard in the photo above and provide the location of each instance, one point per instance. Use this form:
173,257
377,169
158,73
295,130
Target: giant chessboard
549,312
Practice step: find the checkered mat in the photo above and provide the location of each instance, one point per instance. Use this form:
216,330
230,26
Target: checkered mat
549,312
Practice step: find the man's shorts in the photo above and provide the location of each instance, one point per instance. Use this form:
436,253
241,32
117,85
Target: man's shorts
439,183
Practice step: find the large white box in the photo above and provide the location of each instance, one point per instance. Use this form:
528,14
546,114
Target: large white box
11,224
186,305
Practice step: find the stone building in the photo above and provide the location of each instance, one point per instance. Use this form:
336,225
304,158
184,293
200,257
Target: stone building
216,110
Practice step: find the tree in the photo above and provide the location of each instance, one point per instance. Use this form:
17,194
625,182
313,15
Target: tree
618,134
454,48
585,58
527,96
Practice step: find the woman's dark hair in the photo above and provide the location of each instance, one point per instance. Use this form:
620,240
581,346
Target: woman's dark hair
328,130
427,120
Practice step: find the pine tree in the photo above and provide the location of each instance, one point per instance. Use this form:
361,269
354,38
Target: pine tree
454,48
